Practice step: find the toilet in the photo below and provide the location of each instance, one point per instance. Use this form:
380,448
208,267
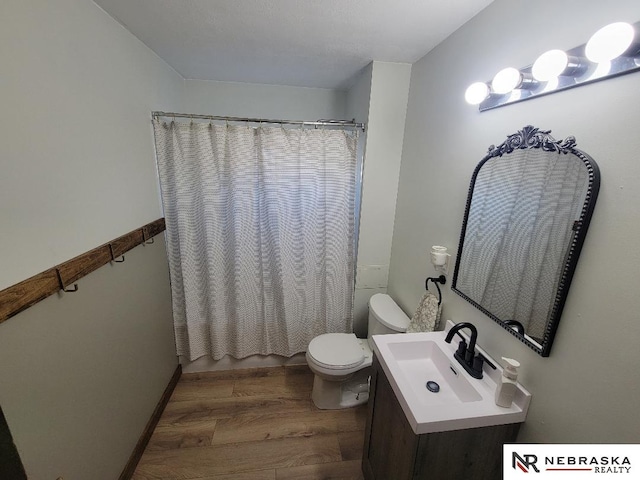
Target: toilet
341,362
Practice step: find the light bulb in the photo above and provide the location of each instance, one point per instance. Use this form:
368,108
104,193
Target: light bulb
609,42
476,93
506,80
550,65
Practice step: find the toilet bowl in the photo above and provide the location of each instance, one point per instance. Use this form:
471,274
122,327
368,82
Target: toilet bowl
341,362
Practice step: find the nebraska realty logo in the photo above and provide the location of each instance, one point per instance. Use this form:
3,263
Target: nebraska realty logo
571,461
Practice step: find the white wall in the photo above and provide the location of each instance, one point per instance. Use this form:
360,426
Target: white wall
274,102
77,93
584,391
80,373
379,98
358,102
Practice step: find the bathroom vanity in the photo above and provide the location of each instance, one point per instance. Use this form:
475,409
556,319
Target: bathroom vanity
415,433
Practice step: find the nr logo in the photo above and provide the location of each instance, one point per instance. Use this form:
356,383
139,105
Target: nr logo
524,462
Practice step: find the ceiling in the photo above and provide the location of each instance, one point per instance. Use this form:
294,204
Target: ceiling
307,43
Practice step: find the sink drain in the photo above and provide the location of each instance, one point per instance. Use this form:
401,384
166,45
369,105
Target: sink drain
433,386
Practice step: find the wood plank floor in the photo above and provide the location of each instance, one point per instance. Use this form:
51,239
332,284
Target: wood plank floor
255,424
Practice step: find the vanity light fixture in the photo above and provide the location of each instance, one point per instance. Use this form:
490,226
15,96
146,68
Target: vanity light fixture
506,80
612,51
549,65
553,63
476,93
609,42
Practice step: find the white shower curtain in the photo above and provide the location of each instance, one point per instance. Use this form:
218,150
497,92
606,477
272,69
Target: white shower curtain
260,235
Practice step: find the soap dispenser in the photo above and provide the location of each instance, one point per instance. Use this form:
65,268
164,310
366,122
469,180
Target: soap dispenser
506,388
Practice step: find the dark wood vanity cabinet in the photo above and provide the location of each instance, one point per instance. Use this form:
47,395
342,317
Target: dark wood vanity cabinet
393,452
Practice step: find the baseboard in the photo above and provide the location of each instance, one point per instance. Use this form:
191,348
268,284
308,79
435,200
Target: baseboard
131,465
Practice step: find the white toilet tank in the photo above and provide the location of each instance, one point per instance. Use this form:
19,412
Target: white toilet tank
385,316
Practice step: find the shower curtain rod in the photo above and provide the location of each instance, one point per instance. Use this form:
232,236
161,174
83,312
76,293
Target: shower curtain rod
319,123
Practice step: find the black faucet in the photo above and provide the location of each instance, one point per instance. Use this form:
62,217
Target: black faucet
466,356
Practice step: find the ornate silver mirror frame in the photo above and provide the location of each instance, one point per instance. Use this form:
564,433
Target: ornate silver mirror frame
528,210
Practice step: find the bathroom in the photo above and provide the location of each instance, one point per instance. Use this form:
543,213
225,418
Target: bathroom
78,170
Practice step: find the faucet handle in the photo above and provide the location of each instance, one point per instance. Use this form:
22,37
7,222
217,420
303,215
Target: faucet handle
462,347
478,361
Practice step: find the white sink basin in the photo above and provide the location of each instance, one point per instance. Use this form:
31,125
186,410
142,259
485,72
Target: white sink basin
411,360
424,361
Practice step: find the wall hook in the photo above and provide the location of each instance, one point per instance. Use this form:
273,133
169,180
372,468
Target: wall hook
113,258
62,286
146,240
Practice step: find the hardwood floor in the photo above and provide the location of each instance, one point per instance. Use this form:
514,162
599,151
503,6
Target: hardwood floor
256,424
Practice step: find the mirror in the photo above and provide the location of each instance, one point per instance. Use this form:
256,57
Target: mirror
528,210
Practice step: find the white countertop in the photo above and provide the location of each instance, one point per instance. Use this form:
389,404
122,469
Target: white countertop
444,411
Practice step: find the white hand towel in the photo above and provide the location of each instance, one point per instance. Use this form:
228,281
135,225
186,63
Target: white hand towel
427,315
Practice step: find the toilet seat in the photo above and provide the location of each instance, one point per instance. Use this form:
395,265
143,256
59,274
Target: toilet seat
336,351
